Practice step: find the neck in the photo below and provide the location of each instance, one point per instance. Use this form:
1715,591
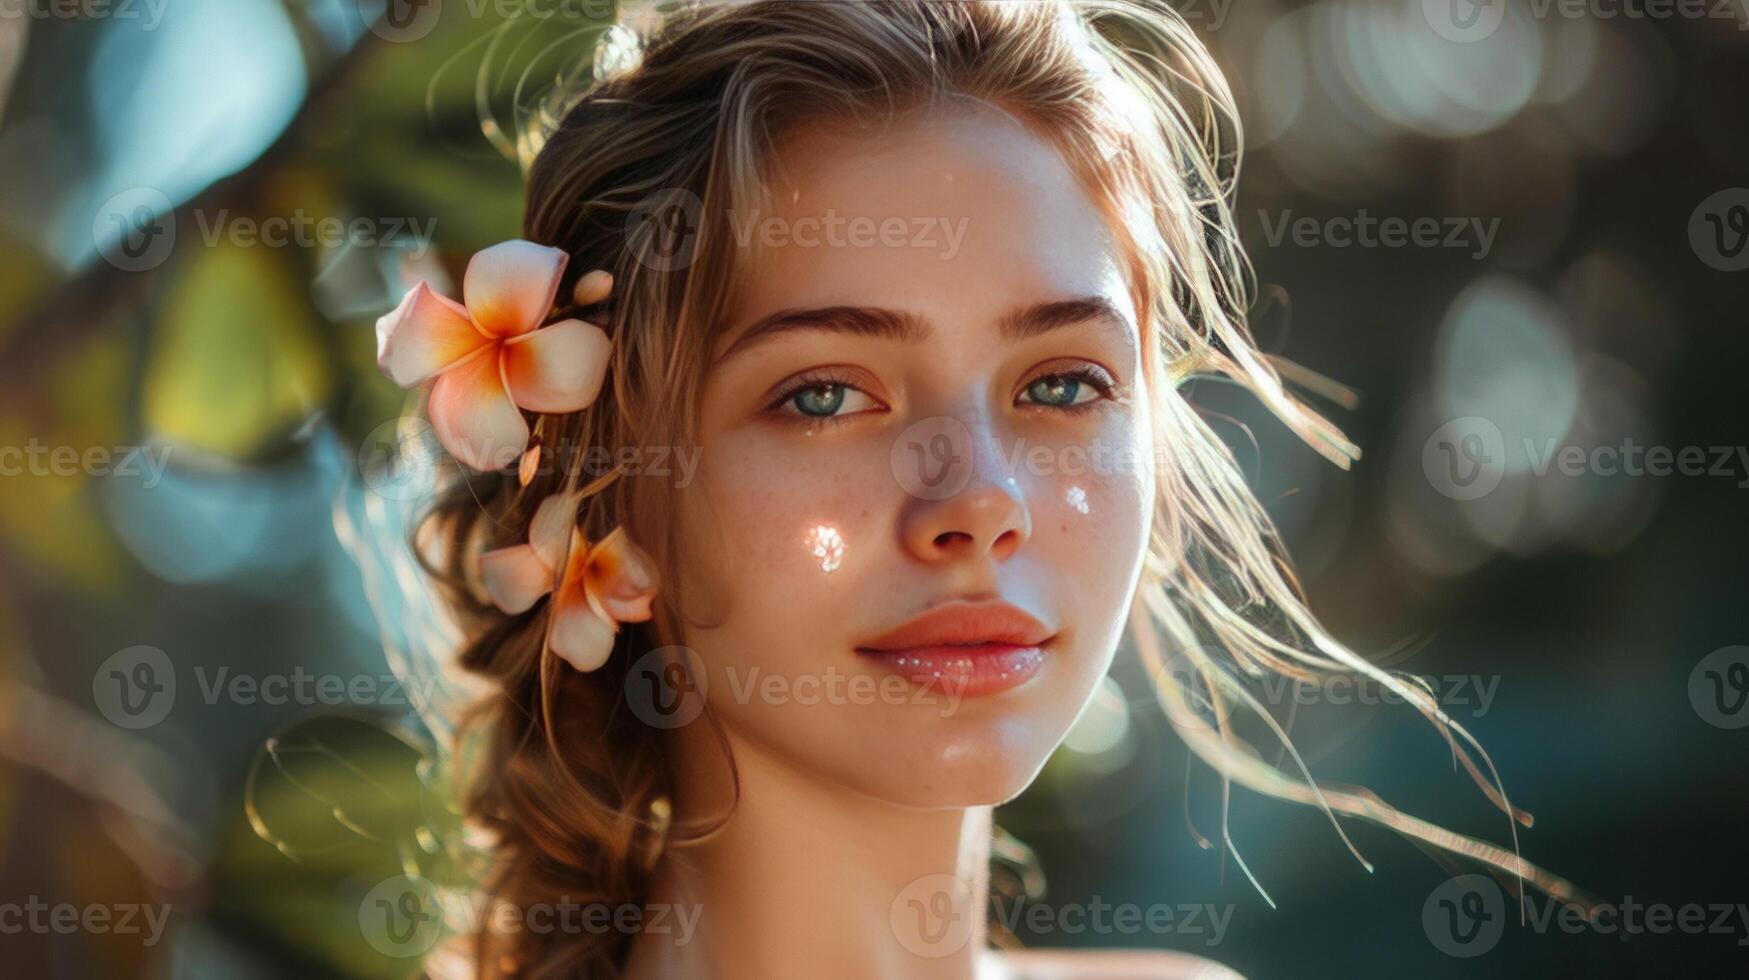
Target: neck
812,879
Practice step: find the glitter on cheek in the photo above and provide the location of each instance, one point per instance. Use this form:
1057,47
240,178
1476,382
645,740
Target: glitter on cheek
1077,499
825,543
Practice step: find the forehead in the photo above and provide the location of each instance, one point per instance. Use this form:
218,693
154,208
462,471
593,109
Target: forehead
956,215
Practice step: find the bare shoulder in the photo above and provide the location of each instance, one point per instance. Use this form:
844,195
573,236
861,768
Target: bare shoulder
1112,964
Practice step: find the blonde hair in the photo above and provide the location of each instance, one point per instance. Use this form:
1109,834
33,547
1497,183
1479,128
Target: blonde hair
685,116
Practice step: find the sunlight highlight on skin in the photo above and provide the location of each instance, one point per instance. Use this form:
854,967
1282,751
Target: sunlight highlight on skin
825,543
1077,498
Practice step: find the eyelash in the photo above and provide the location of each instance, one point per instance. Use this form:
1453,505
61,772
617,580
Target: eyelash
1088,374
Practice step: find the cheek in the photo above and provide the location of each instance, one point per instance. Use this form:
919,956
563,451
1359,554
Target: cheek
793,520
1093,499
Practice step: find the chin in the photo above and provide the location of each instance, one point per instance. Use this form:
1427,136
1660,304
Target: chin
965,762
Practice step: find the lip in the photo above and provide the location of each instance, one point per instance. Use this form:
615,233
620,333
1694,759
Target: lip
968,649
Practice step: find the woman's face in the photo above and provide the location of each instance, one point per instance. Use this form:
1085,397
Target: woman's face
930,397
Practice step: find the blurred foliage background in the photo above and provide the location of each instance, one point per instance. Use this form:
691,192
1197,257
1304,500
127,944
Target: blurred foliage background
1605,153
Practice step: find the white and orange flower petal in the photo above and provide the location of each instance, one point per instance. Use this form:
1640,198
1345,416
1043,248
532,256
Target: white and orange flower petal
473,416
558,368
620,579
555,522
515,577
576,633
425,334
509,288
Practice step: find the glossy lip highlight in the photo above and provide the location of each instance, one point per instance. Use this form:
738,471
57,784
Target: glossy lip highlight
968,649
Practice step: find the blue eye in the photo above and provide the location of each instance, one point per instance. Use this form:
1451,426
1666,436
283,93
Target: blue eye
1055,389
819,401
821,398
1069,389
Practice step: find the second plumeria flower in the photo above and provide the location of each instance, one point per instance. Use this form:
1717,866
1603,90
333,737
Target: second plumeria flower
490,356
603,583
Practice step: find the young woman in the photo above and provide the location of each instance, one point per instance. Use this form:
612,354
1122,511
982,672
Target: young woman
915,284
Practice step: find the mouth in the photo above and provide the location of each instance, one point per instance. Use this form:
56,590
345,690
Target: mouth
965,649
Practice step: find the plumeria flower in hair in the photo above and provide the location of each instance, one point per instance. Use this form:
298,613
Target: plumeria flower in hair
490,356
606,583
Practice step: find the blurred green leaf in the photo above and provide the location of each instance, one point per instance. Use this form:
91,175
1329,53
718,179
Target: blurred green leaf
236,357
346,802
50,516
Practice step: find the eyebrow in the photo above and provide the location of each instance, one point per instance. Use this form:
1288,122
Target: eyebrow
900,325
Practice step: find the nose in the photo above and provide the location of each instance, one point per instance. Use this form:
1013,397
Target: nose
987,516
